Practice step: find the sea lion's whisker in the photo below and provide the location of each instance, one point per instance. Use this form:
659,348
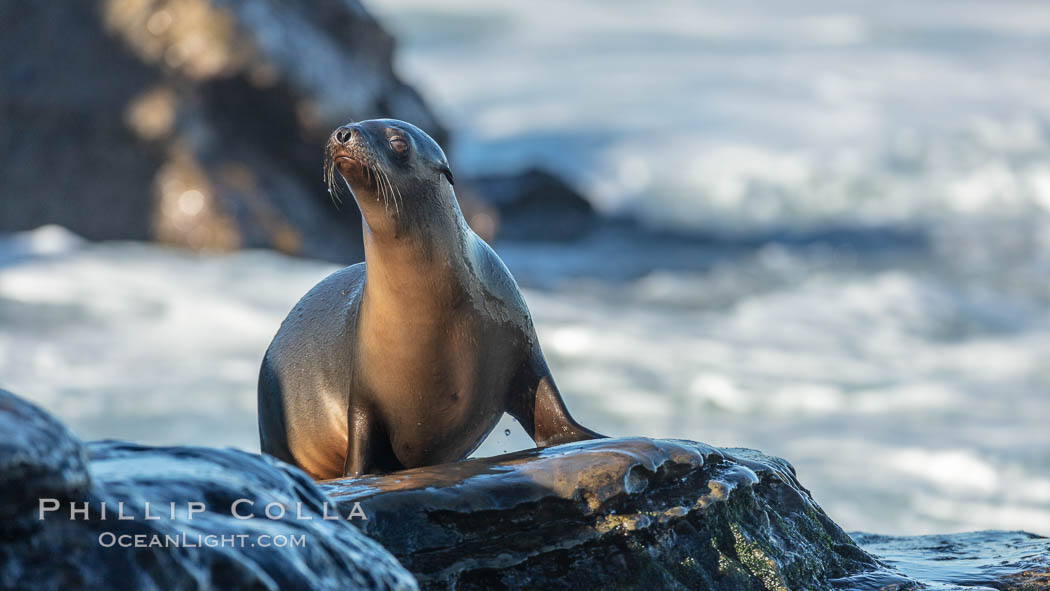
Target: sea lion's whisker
333,189
329,175
386,189
373,178
390,190
390,185
398,189
380,188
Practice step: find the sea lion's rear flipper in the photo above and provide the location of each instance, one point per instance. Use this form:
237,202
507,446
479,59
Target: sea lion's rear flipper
542,413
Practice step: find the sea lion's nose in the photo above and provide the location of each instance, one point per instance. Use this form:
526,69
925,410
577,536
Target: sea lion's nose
344,133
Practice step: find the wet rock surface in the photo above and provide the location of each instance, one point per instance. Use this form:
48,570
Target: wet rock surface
198,123
39,458
608,514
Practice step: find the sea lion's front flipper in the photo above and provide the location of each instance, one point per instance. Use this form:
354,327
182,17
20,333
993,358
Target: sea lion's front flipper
361,441
542,413
368,449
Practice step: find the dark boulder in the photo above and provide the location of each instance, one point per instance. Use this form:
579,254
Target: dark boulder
534,205
45,472
607,514
198,123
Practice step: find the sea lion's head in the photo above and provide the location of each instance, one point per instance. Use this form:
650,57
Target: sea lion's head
390,167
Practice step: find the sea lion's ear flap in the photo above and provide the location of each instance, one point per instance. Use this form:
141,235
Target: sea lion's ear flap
445,170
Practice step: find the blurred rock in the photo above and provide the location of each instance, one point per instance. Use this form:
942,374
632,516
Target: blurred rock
40,459
198,123
614,513
534,205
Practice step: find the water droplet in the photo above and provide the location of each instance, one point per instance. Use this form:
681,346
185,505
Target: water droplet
506,432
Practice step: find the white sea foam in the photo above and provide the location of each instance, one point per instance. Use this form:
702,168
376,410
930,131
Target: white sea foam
753,117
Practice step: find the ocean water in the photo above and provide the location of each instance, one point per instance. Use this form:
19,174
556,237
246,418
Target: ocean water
975,561
751,117
845,258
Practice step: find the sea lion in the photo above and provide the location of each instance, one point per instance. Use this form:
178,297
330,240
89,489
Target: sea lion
411,357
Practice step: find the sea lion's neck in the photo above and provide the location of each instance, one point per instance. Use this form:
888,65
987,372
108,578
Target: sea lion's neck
420,265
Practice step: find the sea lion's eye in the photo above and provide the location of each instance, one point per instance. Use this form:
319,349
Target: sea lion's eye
398,145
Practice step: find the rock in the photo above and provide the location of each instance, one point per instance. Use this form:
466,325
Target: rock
40,459
534,205
198,123
614,513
